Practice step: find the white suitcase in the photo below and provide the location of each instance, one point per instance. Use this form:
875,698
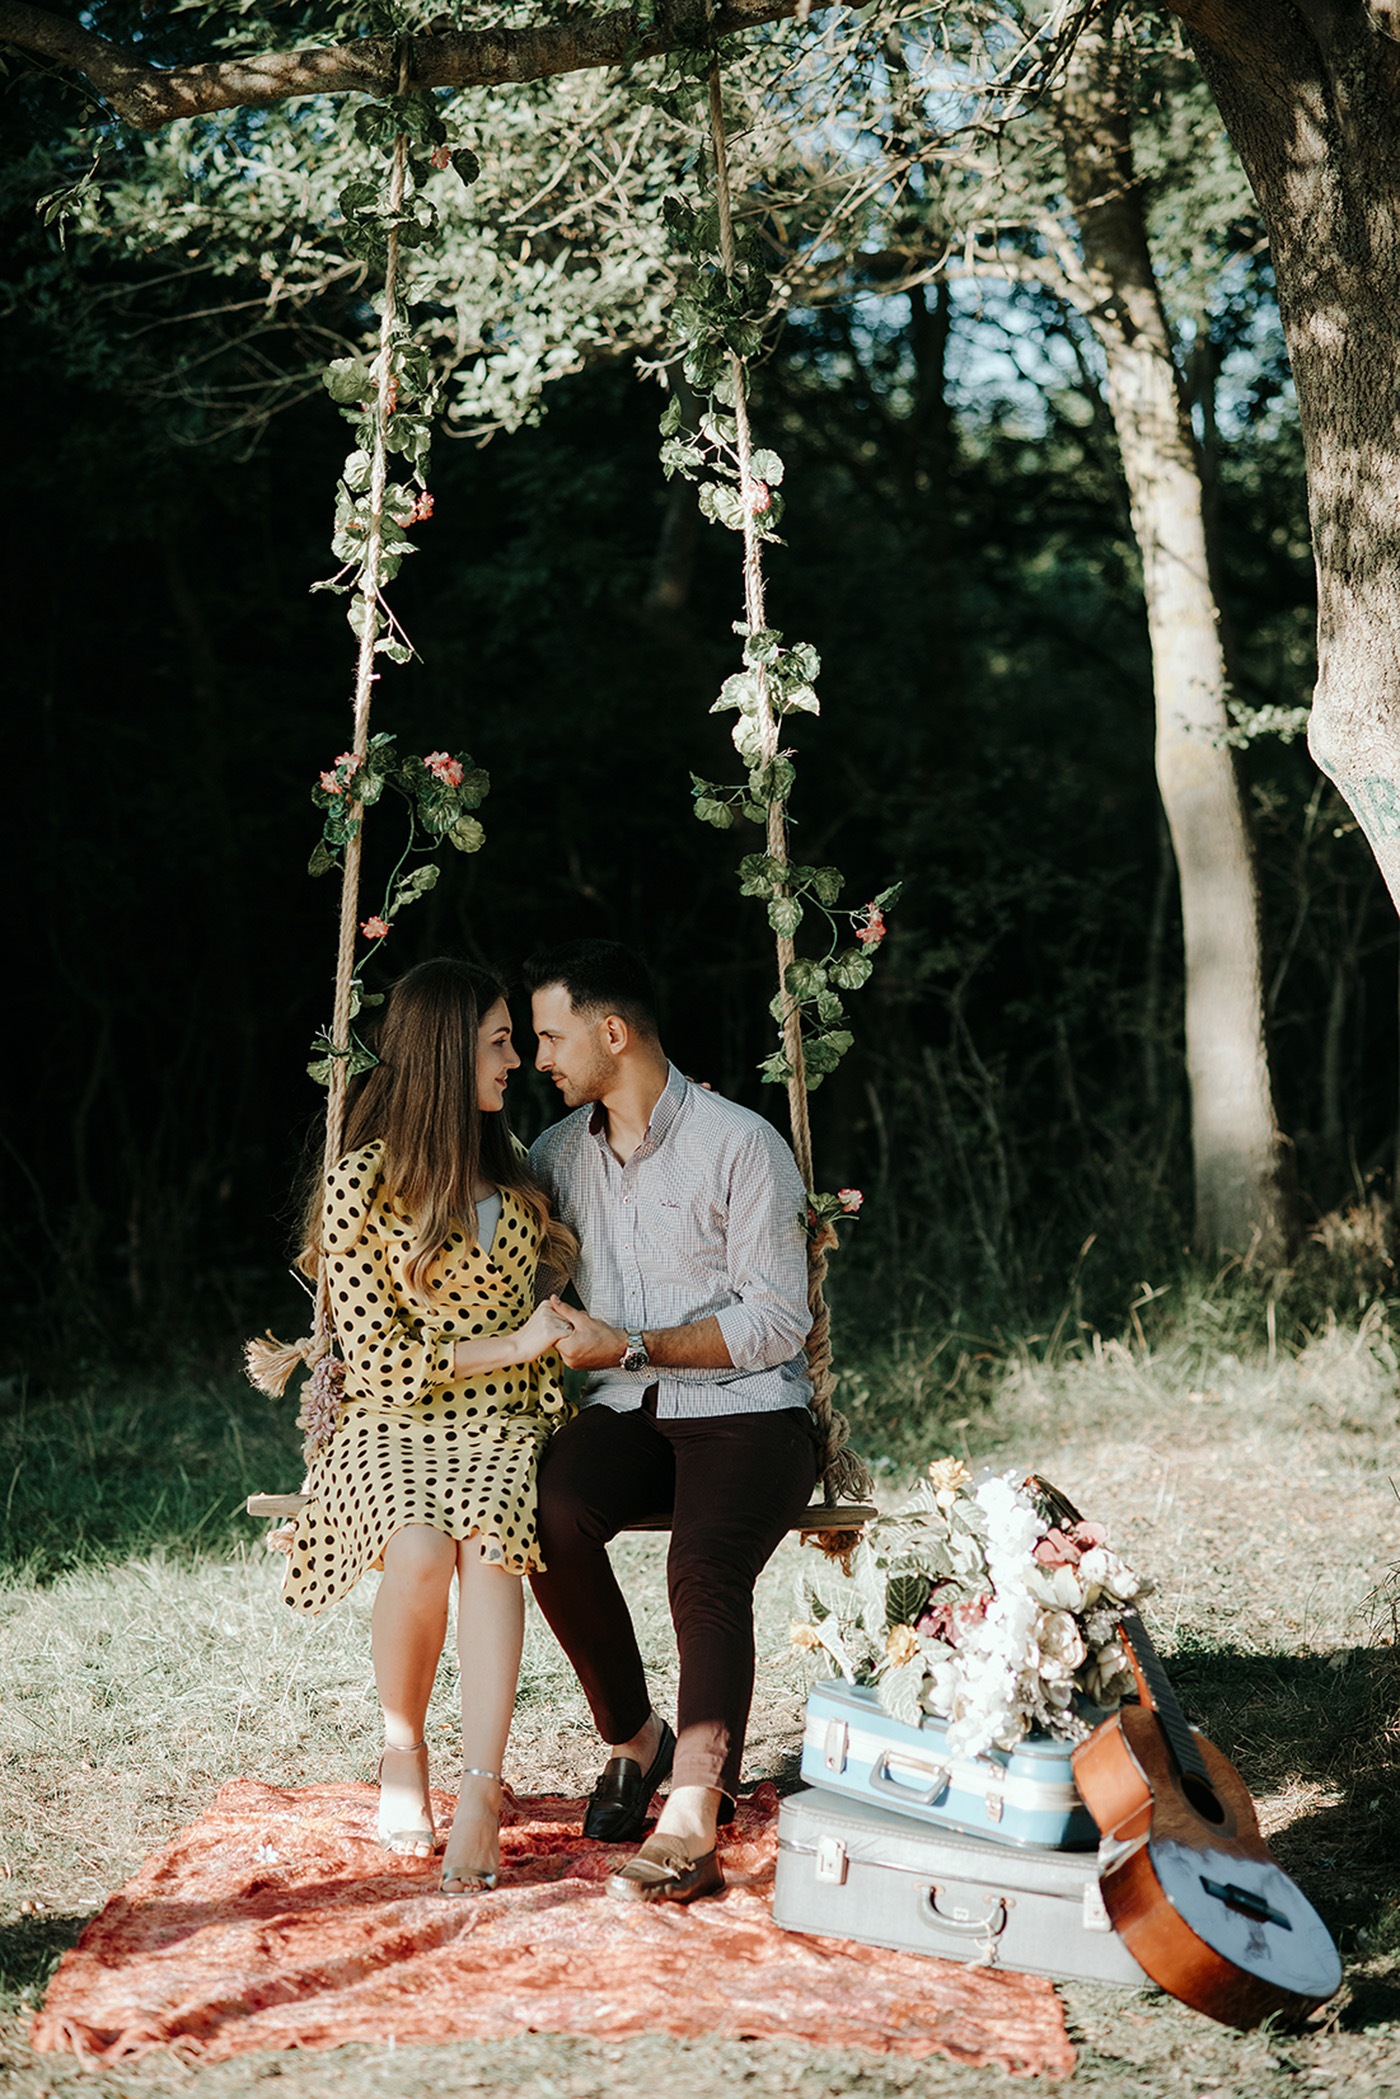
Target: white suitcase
850,1871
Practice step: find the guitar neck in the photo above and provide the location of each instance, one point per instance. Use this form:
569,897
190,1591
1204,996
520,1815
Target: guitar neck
1157,1694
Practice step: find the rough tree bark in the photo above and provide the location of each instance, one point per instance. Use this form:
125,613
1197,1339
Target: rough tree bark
149,97
1310,94
1244,1187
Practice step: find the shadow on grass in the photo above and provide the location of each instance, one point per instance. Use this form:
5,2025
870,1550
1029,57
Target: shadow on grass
32,1947
118,1469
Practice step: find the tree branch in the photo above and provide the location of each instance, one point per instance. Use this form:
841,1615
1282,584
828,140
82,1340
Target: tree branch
149,98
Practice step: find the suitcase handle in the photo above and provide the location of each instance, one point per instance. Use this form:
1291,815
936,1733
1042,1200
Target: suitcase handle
990,1925
882,1780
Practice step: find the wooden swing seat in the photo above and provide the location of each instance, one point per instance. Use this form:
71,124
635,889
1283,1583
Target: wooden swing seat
846,1516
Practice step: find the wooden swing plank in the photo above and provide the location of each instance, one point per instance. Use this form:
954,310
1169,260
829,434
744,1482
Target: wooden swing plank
846,1516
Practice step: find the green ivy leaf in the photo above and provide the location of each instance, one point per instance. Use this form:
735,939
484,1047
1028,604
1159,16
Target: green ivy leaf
776,1070
322,859
804,979
850,969
466,166
467,835
348,380
767,466
711,812
825,883
672,417
785,915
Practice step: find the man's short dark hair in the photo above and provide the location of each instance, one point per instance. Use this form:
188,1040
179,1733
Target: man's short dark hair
600,976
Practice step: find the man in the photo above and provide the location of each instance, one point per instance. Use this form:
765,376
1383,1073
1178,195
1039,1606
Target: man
693,1268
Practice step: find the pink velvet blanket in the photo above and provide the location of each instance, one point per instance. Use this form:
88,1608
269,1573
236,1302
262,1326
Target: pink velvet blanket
276,1921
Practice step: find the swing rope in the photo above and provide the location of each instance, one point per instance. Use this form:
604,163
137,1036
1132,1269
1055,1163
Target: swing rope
270,1362
845,1477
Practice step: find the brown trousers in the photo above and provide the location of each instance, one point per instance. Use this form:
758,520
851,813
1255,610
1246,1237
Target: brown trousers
735,1484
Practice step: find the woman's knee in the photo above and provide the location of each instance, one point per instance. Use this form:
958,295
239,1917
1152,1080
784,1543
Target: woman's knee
419,1558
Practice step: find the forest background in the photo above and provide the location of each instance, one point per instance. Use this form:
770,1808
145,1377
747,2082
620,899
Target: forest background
957,543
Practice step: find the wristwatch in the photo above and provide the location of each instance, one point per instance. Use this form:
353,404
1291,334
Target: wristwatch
634,1356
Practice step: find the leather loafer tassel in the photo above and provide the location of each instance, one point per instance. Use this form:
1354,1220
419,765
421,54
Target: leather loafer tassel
617,1810
664,1871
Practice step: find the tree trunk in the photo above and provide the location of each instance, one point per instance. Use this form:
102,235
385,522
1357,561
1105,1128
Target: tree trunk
1243,1187
1310,96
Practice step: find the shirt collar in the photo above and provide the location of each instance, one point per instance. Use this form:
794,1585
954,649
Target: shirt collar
662,1115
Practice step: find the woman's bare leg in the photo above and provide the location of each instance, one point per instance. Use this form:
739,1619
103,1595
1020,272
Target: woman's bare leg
407,1631
490,1635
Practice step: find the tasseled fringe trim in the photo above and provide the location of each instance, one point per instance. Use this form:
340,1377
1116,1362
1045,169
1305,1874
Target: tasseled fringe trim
270,1362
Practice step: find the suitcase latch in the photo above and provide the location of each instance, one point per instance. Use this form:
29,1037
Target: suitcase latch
995,1803
1096,1917
831,1860
834,1748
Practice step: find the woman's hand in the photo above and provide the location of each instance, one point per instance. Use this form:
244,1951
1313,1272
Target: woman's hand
540,1332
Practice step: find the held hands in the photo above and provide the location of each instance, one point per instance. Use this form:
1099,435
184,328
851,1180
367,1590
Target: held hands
587,1344
544,1327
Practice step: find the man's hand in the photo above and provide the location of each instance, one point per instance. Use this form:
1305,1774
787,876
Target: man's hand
588,1344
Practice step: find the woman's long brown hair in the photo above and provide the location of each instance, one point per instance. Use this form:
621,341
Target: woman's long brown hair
420,1103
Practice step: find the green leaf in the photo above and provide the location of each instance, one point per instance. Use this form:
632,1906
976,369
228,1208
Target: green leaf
758,872
906,1597
322,859
799,699
466,165
348,380
850,969
767,466
467,835
747,739
763,647
825,883
785,915
742,690
680,458
804,979
776,1070
829,1007
397,651
711,812
672,417
887,897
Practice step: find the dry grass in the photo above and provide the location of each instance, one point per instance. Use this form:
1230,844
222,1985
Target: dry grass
1256,1491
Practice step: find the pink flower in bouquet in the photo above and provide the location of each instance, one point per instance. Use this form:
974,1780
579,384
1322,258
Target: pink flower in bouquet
374,928
850,1199
952,1618
1059,1548
872,931
330,784
443,766
350,760
759,498
443,157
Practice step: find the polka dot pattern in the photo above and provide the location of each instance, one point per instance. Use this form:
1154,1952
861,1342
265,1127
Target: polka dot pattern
413,1445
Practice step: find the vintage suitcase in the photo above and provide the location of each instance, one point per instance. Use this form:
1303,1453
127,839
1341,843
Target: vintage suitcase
850,1871
1025,1795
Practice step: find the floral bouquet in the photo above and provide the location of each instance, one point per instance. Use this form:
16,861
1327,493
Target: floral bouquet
990,1603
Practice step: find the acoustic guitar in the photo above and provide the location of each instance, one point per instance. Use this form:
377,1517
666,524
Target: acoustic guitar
1188,1882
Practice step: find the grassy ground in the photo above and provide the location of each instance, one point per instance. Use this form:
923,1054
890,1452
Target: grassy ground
144,1658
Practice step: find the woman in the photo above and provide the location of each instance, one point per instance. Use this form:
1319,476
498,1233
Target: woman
431,1228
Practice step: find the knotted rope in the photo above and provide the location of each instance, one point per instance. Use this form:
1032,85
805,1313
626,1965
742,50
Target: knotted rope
845,1477
270,1362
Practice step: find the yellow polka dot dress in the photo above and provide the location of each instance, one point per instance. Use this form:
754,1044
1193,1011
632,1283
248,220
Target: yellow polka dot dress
413,1444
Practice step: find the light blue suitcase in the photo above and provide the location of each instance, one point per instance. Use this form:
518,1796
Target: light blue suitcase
1025,1795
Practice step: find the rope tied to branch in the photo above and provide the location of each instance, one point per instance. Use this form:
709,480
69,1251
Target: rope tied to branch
270,1363
845,1476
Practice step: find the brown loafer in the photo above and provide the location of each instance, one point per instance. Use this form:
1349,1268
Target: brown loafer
664,1871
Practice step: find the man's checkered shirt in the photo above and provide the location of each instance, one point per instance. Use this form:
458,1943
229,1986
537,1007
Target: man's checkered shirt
705,1219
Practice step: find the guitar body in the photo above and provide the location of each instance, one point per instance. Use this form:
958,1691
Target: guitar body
1190,1885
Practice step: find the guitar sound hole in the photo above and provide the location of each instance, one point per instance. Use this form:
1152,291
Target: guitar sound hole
1202,1798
